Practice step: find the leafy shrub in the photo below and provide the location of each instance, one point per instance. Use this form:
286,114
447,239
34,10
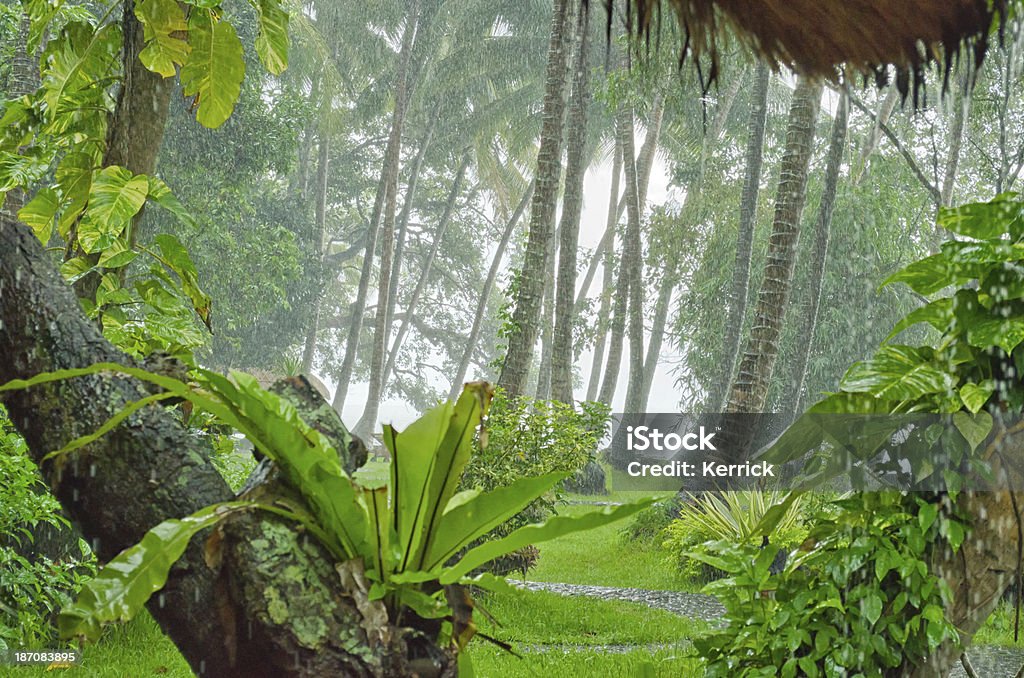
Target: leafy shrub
733,517
531,438
650,524
32,586
856,599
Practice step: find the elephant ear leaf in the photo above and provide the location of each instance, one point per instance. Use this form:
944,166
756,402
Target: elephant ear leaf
128,581
215,69
272,41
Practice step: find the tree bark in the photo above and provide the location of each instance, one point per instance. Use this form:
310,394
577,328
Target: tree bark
644,164
24,79
819,255
421,283
388,177
319,232
563,355
403,219
608,277
523,335
151,468
633,264
542,390
485,294
750,387
744,238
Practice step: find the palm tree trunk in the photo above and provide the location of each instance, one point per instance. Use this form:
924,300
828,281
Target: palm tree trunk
389,169
749,389
24,79
563,355
421,282
624,131
661,308
744,238
403,217
644,163
606,283
526,315
319,229
543,387
485,293
819,254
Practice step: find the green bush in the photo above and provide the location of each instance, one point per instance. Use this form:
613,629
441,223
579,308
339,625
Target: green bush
529,438
650,524
732,517
32,586
857,598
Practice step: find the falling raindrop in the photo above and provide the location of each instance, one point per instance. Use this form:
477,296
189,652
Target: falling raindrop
95,544
250,629
161,601
92,470
74,494
202,666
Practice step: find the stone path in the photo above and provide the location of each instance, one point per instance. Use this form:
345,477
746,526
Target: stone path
988,661
693,605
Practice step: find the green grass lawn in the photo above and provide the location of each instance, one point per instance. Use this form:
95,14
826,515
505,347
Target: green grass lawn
602,557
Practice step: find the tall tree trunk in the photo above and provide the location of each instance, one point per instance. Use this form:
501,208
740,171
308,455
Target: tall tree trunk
819,255
563,355
749,389
542,390
617,331
644,164
428,263
744,238
381,329
388,176
319,233
608,276
693,211
403,218
523,334
961,109
485,294
885,110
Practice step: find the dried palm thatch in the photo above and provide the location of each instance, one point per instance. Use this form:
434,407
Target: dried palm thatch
816,37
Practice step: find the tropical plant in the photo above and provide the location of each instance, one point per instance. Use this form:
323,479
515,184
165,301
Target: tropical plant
858,599
402,524
969,377
734,517
33,587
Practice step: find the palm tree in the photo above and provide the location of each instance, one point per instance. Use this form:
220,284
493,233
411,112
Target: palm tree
749,389
526,316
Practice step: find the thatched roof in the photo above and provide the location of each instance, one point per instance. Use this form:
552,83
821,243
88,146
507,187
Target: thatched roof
815,37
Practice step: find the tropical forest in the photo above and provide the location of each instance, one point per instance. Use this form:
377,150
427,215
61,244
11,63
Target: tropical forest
555,338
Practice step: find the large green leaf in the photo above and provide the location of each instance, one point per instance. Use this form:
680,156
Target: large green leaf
124,585
928,275
303,454
40,212
215,69
175,257
74,180
467,520
161,20
897,372
937,314
272,41
75,60
986,220
552,528
427,460
115,197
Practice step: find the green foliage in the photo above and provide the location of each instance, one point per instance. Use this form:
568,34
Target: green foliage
531,438
405,521
734,517
856,599
32,587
